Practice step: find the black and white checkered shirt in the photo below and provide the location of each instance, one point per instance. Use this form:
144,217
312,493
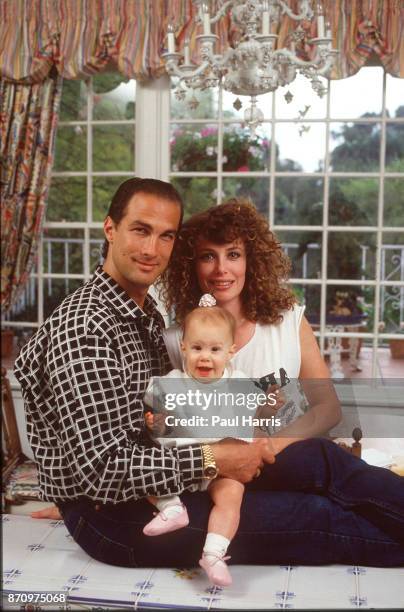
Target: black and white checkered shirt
83,376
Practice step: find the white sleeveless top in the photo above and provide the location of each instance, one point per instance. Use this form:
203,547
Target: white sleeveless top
273,349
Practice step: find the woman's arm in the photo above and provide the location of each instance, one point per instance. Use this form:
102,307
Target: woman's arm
312,364
325,409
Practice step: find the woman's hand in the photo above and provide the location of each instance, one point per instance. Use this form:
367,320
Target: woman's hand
271,408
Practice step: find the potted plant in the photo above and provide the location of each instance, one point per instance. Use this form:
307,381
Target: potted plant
397,344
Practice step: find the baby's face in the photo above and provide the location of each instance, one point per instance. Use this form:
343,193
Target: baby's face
207,348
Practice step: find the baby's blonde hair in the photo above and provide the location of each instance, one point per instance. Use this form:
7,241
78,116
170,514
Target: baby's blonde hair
214,314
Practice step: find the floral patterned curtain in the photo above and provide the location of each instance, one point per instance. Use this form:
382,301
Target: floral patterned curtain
27,139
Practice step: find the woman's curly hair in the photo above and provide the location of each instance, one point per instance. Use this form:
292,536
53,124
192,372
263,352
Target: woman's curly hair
264,296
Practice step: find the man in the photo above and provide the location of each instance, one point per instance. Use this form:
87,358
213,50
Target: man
83,376
84,373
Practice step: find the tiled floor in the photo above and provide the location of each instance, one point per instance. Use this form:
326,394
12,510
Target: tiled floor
387,367
41,556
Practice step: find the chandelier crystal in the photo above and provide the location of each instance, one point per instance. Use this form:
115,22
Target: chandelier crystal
255,65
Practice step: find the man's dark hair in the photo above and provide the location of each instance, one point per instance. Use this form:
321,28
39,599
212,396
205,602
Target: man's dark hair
131,187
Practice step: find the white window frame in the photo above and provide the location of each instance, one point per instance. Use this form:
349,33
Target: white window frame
153,122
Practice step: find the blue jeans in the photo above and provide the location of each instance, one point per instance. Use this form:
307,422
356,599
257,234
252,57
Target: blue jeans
316,504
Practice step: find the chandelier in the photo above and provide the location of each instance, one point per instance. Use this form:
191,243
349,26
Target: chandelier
255,65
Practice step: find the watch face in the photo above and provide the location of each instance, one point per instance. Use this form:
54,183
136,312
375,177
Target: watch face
210,471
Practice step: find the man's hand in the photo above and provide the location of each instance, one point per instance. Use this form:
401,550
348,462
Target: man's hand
240,460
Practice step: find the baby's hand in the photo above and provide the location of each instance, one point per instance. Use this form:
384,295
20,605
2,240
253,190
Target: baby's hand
155,423
149,420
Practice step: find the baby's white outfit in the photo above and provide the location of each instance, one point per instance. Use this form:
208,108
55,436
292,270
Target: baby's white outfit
273,351
184,383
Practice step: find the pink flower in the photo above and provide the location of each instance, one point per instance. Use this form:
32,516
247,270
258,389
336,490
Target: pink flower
208,131
243,169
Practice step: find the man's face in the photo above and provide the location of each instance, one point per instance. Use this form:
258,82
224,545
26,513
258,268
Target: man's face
140,244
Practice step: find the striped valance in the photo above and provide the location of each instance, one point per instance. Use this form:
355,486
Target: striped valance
81,37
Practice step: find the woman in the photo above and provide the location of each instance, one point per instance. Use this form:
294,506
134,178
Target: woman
316,504
229,251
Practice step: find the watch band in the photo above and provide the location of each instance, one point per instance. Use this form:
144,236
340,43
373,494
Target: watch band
209,464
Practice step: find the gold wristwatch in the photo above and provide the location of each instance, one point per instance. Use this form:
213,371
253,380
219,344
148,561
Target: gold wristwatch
210,470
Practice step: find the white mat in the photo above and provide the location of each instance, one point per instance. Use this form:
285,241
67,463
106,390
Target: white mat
40,555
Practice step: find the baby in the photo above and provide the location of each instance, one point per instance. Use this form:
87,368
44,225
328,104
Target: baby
207,347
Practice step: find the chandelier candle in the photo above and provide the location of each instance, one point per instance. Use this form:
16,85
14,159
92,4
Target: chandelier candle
256,64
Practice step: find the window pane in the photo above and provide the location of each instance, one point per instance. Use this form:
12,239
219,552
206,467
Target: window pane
96,243
304,251
113,147
230,111
395,146
243,153
26,307
390,365
193,147
206,109
70,148
305,104
353,201
358,95
56,290
392,269
103,191
351,306
73,105
253,188
310,296
355,147
293,143
67,199
394,96
63,251
392,309
298,201
394,202
351,255
197,193
113,98
12,343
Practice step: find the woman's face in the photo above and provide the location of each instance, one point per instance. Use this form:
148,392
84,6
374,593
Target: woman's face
221,269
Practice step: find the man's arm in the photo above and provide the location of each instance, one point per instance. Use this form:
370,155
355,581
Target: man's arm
86,419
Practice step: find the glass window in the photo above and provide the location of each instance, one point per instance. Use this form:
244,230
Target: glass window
333,163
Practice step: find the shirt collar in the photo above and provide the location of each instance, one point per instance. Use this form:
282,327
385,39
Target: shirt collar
118,298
